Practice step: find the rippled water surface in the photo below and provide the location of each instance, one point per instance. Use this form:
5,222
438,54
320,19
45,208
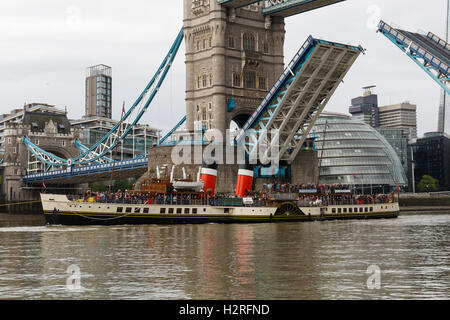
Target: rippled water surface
311,260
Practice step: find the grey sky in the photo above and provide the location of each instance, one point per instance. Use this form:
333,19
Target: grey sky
46,46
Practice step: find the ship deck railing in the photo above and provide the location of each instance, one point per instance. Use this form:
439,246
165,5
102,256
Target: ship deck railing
299,201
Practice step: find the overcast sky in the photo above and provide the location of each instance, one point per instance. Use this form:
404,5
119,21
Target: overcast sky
46,46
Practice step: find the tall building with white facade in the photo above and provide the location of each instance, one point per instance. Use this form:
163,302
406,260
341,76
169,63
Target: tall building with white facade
399,116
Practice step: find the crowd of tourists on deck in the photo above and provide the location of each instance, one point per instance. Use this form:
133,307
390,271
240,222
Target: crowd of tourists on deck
300,188
301,194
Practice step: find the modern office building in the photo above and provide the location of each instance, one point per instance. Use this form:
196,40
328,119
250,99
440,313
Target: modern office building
396,116
400,141
432,157
444,107
365,107
98,91
97,121
399,116
353,153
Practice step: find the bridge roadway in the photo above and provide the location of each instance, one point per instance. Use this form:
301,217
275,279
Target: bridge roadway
282,8
85,174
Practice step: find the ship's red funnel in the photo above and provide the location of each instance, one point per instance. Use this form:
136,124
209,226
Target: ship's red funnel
209,178
244,181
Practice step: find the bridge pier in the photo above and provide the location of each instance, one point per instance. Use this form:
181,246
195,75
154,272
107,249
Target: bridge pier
303,170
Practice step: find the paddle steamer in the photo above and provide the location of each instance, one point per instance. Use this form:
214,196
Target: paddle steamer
185,202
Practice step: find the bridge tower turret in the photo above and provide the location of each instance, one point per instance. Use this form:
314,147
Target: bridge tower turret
233,57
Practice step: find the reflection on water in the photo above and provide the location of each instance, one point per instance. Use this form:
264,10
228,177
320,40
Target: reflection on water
313,260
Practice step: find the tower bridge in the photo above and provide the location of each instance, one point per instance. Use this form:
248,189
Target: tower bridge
234,56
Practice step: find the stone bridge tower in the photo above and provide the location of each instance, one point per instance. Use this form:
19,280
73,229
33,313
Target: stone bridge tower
49,130
233,57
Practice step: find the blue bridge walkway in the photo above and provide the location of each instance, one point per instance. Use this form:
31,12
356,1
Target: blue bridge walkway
85,174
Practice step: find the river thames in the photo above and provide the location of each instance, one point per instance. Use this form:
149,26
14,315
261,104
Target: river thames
403,258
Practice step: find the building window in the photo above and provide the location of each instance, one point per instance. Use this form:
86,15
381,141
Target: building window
266,47
249,42
231,42
236,80
61,128
262,83
250,79
204,80
210,79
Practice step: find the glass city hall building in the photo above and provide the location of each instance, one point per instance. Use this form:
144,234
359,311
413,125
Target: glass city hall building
353,153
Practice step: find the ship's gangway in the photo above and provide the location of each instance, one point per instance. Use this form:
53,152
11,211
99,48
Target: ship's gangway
298,97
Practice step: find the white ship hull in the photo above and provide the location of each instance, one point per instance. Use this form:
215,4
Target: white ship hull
58,209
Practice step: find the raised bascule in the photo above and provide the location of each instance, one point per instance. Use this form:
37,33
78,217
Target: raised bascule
428,51
235,72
